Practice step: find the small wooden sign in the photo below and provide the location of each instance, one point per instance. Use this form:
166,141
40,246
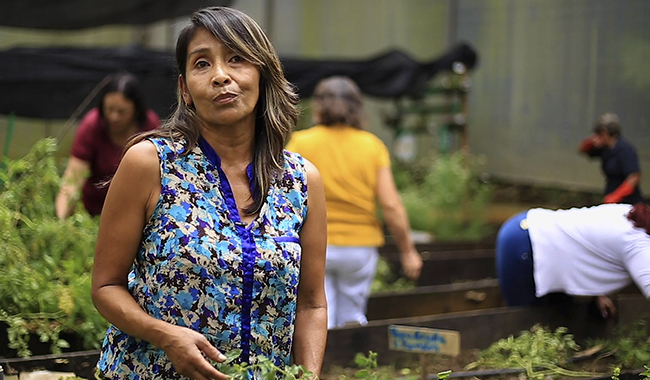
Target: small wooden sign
423,340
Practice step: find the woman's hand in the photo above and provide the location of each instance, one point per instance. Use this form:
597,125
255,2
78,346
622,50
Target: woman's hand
411,264
74,176
606,306
398,223
188,350
309,376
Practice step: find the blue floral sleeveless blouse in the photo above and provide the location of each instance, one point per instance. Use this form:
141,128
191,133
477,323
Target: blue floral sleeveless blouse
200,267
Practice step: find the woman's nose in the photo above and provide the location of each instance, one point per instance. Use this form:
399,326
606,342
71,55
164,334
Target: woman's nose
113,117
220,76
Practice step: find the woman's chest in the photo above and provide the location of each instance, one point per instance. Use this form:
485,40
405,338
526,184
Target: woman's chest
202,222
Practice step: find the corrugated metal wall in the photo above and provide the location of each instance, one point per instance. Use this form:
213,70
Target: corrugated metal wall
548,68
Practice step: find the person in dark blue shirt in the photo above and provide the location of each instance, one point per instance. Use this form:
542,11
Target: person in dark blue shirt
620,162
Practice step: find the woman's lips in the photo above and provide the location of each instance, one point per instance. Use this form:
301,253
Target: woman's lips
225,98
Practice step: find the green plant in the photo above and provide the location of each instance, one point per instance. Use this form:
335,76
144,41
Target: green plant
367,364
645,375
539,352
445,198
631,343
264,369
45,263
387,279
369,370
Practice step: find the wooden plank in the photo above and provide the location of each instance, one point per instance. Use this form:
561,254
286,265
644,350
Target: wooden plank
437,246
446,267
436,299
631,306
82,363
462,254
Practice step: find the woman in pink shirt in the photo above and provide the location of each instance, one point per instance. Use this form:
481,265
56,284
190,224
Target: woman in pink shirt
99,141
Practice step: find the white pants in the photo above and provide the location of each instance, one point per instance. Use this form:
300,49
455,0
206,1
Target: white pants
348,276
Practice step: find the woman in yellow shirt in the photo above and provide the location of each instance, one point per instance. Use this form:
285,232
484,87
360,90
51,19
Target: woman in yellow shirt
355,168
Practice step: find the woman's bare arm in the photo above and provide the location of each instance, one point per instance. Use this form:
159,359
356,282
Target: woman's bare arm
74,176
310,334
397,221
132,196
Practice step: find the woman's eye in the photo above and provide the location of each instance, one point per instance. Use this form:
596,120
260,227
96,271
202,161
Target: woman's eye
237,58
201,64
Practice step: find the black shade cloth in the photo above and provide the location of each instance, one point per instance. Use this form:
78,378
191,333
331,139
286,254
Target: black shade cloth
53,82
389,75
78,14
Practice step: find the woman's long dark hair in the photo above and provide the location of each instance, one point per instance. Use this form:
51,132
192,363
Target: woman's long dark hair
277,107
126,84
640,216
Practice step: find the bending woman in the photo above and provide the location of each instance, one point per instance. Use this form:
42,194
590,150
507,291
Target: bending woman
591,251
99,142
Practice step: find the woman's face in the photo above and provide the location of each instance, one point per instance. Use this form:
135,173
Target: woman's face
119,112
222,86
604,139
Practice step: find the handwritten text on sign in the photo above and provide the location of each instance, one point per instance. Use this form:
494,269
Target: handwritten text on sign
425,340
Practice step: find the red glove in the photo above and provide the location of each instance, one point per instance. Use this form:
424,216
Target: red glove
586,145
621,192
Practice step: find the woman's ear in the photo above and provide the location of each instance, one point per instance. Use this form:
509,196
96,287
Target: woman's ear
187,98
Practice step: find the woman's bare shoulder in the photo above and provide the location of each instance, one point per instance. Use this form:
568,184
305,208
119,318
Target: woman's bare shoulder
140,159
144,151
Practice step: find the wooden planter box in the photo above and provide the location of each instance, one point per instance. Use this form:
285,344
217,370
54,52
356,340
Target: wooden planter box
480,328
436,299
82,363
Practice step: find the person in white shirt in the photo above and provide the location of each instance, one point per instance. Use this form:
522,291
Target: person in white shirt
589,251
